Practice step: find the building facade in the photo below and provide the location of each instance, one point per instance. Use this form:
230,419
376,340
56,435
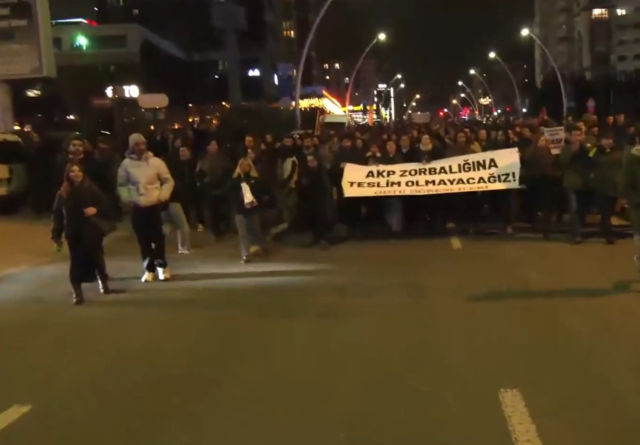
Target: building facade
591,38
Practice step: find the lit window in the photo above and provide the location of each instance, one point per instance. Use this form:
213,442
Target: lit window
327,77
287,26
346,80
337,66
325,66
621,11
599,13
290,34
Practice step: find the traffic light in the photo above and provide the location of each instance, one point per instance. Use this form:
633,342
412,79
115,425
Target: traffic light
81,41
508,109
441,113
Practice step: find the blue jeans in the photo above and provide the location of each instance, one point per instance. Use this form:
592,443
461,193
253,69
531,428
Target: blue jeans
578,206
249,232
174,215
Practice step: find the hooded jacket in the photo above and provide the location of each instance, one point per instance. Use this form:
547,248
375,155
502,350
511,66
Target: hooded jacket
144,181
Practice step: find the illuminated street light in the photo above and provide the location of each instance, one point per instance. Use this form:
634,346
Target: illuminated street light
381,37
493,55
303,59
475,101
526,32
475,73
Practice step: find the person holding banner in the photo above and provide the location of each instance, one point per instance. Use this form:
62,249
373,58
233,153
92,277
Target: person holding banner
577,167
393,206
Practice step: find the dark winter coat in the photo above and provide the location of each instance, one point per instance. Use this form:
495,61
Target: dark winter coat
577,167
69,218
607,173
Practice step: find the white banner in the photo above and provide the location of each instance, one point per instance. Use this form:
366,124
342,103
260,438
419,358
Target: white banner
555,139
495,170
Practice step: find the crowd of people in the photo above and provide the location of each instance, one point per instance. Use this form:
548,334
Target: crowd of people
192,181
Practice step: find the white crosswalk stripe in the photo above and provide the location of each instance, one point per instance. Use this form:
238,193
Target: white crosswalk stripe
523,430
12,414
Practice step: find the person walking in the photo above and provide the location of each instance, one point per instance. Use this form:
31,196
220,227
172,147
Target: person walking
248,193
182,169
145,184
213,174
80,213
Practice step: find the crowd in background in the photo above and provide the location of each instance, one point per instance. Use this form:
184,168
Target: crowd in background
297,178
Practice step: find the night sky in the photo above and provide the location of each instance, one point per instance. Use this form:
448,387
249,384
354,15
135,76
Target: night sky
432,42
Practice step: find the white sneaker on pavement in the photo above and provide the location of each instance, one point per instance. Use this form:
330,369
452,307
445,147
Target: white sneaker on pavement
164,274
148,277
184,251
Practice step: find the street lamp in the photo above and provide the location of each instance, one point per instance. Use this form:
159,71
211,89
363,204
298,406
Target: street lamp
475,73
413,104
526,32
494,55
475,102
392,114
473,107
379,38
303,59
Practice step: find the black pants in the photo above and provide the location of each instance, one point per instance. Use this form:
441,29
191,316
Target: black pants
542,192
217,211
147,225
606,206
86,260
193,207
503,203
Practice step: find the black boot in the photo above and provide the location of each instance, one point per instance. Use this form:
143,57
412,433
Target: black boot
78,295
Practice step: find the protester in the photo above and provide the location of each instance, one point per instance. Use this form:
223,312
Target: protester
606,182
248,194
182,169
315,200
80,213
577,166
213,175
145,184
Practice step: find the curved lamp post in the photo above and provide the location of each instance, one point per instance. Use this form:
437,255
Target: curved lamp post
473,107
390,88
475,101
303,59
379,38
475,73
494,55
412,104
526,32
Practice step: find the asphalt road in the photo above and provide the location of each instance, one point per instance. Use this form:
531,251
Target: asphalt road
484,340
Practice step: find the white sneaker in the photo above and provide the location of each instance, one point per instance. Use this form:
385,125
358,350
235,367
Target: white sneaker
164,274
148,277
184,251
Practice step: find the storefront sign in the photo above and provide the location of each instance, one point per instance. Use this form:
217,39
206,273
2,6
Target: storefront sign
26,48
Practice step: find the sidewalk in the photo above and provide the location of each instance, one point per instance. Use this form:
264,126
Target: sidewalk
25,242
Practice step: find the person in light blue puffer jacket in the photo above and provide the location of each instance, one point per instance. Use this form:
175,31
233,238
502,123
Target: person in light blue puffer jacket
144,183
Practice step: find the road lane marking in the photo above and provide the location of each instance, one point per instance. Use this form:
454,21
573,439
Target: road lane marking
455,242
12,414
523,430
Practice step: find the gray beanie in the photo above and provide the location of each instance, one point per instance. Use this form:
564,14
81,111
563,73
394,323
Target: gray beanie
136,138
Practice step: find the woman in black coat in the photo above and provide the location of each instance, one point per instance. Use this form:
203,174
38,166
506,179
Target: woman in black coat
80,214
